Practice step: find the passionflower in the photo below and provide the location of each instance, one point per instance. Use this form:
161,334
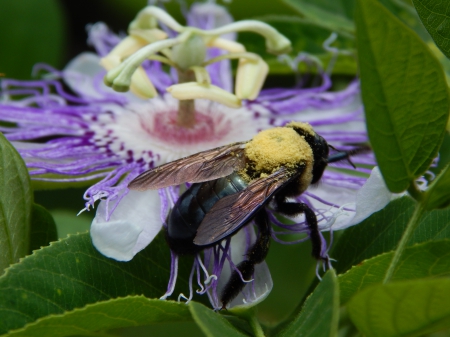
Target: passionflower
91,133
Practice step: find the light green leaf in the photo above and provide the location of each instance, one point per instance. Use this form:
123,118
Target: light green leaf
381,232
116,313
32,32
15,205
70,274
404,93
43,228
408,308
212,323
332,18
320,313
438,194
435,16
430,259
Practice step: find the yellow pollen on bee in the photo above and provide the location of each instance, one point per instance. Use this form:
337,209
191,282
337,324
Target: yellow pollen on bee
281,146
304,126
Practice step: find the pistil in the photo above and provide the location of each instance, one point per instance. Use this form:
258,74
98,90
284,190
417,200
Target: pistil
186,108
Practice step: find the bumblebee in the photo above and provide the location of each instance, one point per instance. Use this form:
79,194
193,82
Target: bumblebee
232,185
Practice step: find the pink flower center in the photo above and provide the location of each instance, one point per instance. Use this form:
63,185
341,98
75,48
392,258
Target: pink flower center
207,128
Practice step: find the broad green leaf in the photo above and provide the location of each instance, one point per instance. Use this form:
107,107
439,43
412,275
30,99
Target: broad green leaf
32,32
377,234
320,313
381,232
404,92
332,18
407,308
435,16
43,228
70,274
212,323
438,194
112,314
430,259
15,205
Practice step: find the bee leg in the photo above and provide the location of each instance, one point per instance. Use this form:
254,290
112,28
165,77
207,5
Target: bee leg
256,254
294,208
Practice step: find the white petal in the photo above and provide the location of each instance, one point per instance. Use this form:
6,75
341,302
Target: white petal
80,72
84,75
255,292
371,198
132,226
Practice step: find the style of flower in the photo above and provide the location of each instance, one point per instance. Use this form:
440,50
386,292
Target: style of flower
92,133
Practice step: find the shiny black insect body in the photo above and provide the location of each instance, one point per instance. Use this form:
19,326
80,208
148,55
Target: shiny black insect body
232,186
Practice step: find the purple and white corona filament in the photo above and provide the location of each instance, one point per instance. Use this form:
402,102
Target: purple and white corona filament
89,132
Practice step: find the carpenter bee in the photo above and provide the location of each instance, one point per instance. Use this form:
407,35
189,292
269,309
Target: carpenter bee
232,186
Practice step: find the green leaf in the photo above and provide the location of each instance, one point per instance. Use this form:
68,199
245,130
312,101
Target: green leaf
15,205
331,17
70,274
381,232
112,314
435,16
212,323
375,235
430,259
438,194
43,228
32,32
404,93
408,308
320,313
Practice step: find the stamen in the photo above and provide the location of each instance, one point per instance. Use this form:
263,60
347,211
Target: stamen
173,276
208,277
191,293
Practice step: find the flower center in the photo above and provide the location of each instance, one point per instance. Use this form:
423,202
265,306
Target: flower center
165,127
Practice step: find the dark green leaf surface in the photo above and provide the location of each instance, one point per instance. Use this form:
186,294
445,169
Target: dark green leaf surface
70,274
320,313
15,205
435,16
381,232
32,32
43,228
408,308
430,259
404,93
212,323
116,313
375,235
438,194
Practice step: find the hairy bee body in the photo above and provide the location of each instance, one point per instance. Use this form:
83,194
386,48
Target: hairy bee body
191,208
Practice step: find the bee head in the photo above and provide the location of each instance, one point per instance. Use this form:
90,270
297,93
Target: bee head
319,147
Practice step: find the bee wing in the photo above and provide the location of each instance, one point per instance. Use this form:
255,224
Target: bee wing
232,212
199,167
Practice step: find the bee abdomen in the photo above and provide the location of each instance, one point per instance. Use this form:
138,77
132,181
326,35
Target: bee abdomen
191,208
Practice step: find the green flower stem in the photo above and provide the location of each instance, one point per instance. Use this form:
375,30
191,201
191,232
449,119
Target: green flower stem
249,314
412,225
186,108
256,327
415,192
